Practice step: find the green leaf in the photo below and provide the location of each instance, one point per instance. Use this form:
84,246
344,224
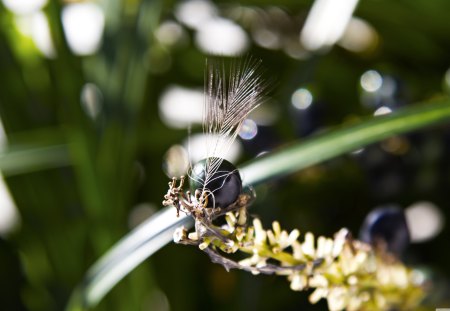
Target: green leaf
340,141
157,231
25,159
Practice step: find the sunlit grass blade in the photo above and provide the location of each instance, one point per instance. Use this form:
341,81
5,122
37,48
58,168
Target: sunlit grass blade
129,252
343,140
146,239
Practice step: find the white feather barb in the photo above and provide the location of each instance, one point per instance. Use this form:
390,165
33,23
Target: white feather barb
229,99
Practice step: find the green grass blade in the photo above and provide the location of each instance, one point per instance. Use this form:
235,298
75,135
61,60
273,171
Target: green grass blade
346,139
129,252
142,242
14,161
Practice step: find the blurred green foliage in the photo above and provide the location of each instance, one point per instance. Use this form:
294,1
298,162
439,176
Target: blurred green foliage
75,179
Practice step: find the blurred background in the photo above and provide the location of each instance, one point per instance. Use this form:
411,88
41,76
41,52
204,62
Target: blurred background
96,98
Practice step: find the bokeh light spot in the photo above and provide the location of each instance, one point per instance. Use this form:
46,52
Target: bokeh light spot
23,7
83,24
382,111
359,36
425,221
36,27
9,215
326,23
266,38
169,33
200,146
91,100
176,161
371,81
249,129
40,33
302,99
221,36
179,107
195,13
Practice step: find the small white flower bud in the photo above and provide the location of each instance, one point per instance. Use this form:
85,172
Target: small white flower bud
308,245
179,235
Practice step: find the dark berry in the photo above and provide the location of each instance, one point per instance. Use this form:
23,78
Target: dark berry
225,184
386,225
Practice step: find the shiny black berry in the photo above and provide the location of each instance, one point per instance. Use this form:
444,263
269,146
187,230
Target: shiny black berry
387,225
225,184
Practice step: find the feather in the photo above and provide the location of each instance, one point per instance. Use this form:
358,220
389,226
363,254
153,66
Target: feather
229,99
